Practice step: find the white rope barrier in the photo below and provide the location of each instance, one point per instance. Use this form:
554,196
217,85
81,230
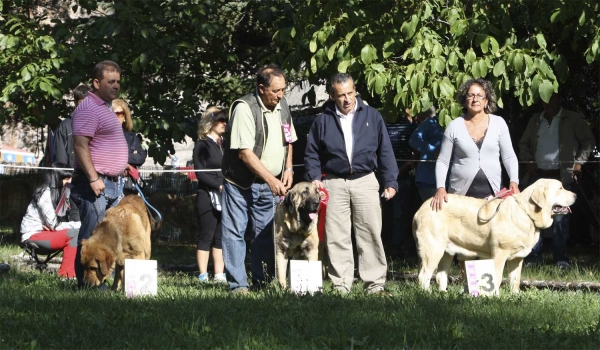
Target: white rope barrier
158,170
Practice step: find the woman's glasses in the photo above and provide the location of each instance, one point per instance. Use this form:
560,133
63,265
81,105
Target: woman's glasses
120,113
477,96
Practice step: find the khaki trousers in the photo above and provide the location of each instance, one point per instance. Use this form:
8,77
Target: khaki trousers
354,203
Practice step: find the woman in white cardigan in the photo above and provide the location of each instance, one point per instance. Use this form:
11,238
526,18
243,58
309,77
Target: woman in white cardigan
473,146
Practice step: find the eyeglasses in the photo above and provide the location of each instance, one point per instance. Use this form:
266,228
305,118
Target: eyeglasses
120,113
473,96
221,120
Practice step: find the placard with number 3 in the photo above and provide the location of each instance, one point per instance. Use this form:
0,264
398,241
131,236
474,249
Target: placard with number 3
481,277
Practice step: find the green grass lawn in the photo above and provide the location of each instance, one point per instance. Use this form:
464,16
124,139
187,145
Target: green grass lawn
39,312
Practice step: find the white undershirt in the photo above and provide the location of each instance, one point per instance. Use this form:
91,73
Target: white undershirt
546,153
346,123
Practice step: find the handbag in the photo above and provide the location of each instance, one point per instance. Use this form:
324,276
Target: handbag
215,199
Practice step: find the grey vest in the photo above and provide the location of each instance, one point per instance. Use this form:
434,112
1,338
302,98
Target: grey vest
232,167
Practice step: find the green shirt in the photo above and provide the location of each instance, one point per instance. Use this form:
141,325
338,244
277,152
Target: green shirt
243,132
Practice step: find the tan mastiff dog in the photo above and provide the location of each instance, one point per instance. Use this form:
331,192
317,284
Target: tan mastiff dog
502,230
295,223
124,233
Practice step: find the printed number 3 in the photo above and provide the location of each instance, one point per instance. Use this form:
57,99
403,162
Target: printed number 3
489,280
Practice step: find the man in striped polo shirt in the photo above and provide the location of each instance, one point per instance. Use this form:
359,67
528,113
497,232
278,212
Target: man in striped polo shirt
100,153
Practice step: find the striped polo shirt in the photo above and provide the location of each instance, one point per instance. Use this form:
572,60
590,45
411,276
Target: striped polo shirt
93,118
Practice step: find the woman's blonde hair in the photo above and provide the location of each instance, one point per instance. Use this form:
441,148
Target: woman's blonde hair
208,119
128,125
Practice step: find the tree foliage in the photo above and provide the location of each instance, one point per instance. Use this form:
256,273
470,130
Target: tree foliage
175,55
416,53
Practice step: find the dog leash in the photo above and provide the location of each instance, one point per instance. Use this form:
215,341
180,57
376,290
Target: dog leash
586,199
502,194
148,205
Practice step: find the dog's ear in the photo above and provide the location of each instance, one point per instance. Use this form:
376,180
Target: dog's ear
84,241
288,202
105,262
539,196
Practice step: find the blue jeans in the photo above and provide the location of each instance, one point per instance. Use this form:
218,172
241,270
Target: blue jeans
92,210
256,206
560,235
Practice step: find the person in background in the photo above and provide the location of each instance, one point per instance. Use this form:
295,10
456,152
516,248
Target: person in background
427,140
397,214
349,143
137,155
101,153
208,154
556,143
257,166
43,226
63,139
472,147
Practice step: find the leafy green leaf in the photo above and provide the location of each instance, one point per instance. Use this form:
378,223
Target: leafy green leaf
452,58
409,71
437,49
475,70
518,63
420,80
446,89
499,68
377,67
313,45
470,57
494,47
455,110
332,49
414,83
427,13
541,40
143,59
367,54
555,15
380,81
484,45
350,35
483,69
546,89
25,74
343,66
582,18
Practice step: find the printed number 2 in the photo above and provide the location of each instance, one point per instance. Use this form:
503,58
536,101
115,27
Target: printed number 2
148,278
489,280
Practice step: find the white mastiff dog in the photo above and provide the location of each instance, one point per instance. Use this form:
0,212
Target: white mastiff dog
502,230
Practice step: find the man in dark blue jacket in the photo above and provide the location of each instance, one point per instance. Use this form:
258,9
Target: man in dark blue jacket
347,144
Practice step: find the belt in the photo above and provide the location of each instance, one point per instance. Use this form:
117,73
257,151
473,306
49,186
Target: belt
80,172
552,173
259,180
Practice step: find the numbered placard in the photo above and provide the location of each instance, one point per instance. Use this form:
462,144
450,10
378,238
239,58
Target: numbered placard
140,277
481,277
306,276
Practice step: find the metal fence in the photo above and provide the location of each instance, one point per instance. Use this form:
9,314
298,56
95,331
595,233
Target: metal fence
171,191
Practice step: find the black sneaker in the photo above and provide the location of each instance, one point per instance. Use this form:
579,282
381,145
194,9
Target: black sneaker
4,267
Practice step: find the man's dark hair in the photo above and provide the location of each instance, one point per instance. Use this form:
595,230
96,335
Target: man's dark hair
266,74
104,66
339,78
80,92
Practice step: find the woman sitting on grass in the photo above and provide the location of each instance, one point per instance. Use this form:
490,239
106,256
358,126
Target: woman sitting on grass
41,224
